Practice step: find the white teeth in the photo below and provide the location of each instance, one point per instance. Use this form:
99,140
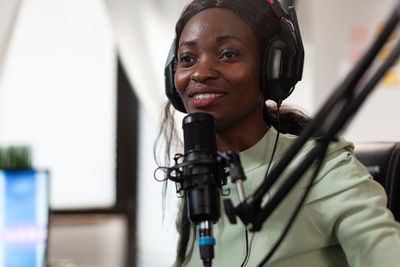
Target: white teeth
205,96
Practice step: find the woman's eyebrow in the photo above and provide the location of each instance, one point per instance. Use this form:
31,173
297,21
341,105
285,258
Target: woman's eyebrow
225,37
188,43
218,39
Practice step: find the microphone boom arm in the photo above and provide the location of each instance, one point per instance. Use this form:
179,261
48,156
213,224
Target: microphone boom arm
334,115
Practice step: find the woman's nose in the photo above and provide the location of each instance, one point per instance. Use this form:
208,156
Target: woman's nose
205,69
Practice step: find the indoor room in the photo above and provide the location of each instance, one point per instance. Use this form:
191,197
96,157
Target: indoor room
89,178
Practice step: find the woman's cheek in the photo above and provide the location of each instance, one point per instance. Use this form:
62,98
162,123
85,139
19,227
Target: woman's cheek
181,79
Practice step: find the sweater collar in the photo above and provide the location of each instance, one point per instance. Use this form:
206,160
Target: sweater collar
258,154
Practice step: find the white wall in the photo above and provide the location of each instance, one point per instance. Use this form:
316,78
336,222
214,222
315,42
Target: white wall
8,15
58,95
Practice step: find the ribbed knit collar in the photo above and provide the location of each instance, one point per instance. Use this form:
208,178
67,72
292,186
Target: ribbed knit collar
259,153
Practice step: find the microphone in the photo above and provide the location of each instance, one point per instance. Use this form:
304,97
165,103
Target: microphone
201,179
200,174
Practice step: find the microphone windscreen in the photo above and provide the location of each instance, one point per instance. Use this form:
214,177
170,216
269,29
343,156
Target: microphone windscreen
199,133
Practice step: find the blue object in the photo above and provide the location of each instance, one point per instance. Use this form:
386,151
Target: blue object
206,241
24,217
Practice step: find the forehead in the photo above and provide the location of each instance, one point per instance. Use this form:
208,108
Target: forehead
214,22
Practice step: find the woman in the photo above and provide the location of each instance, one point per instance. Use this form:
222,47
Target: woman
220,46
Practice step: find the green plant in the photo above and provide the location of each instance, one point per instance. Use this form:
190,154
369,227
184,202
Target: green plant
15,158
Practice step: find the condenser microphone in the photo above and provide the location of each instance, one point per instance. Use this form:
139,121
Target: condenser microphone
201,179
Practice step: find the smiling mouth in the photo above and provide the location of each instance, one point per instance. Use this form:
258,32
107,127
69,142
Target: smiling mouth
205,100
206,96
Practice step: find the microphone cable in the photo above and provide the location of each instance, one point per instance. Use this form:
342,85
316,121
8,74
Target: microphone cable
278,106
247,255
297,210
246,258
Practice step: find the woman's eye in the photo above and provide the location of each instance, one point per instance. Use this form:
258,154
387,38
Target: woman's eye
186,60
229,54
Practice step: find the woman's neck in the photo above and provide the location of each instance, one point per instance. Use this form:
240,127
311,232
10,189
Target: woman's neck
240,139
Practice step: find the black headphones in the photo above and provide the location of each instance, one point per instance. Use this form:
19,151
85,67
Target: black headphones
281,62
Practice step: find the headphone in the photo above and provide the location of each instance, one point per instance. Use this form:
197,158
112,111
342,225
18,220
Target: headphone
281,63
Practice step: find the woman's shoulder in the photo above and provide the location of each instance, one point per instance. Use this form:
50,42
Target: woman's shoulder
336,147
339,157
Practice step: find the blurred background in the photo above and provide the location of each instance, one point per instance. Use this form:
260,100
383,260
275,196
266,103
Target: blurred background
81,84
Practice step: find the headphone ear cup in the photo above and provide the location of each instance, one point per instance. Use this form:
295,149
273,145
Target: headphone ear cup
275,64
169,73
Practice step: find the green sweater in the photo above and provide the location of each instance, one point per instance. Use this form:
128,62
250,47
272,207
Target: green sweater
344,221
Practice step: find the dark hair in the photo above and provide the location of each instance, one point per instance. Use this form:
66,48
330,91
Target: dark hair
260,17
255,13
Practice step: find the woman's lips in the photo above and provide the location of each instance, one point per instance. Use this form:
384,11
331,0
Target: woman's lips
203,100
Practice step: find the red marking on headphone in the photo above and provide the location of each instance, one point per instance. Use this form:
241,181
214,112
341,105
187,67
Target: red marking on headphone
270,1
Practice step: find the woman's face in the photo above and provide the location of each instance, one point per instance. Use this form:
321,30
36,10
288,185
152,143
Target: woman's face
218,69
